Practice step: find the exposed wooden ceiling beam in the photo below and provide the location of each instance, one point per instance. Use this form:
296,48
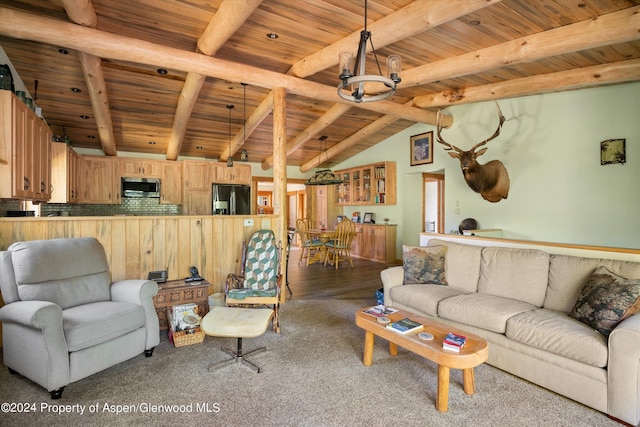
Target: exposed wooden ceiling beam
252,122
412,19
616,27
316,127
352,140
27,26
82,12
228,18
618,72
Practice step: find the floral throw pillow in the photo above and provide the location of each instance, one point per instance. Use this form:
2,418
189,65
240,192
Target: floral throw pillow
424,265
606,300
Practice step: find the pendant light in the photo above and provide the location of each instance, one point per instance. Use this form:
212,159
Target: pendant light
229,159
355,80
323,176
244,156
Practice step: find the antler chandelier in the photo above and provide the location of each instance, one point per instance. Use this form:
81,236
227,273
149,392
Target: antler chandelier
355,81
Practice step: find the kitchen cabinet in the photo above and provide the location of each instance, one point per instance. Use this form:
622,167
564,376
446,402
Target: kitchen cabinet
373,184
96,180
64,174
375,242
237,174
143,168
25,142
171,183
196,194
196,175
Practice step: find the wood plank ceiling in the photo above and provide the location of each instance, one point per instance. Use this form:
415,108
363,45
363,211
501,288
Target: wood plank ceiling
113,51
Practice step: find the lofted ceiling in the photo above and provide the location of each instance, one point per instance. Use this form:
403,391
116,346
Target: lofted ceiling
115,51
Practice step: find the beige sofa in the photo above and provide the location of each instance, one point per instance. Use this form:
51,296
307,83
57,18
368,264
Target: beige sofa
518,300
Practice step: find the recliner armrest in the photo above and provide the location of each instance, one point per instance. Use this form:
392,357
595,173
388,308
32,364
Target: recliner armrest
133,291
34,314
140,292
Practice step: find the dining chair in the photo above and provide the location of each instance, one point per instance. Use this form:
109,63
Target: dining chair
310,246
339,248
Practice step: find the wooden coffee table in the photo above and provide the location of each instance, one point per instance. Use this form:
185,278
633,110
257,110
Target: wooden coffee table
474,353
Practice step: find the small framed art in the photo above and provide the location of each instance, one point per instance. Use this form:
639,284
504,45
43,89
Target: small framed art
422,149
368,218
613,151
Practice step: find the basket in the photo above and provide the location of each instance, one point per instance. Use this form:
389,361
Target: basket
182,338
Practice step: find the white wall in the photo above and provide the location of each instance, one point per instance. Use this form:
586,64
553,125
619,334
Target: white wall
550,145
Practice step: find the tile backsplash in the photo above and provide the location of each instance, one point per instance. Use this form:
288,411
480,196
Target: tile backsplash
129,206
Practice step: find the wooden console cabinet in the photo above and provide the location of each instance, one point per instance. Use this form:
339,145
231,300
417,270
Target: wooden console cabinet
176,292
375,242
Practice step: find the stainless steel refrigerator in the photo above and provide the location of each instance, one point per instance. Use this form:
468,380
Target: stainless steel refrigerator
231,199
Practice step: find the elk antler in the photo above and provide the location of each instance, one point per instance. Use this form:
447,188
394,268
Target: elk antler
439,137
495,134
450,147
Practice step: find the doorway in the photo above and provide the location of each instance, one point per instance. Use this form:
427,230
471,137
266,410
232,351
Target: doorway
433,202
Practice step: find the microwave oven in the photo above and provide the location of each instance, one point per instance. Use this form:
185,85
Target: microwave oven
140,187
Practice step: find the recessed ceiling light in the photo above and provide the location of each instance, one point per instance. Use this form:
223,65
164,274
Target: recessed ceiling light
152,143
63,51
474,22
76,90
272,36
84,117
162,71
199,147
91,136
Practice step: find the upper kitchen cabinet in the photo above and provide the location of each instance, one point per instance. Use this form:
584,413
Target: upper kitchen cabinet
64,174
373,184
239,173
142,168
196,175
171,183
25,142
96,180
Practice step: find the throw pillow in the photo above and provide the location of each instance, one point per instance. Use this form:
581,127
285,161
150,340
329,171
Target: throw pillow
424,265
606,300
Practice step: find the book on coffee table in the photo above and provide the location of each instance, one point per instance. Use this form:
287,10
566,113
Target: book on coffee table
454,342
380,311
405,326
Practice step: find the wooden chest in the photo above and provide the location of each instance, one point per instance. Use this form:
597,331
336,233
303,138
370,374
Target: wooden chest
177,292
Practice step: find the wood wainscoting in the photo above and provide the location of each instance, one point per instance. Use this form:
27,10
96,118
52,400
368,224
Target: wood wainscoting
136,245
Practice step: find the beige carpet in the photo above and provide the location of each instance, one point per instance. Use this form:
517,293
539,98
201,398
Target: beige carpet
312,376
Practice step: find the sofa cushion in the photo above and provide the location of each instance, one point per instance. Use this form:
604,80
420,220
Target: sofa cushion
91,324
568,274
424,265
462,264
43,271
425,297
482,311
557,333
606,300
518,274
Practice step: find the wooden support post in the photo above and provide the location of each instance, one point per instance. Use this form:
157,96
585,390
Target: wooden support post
280,172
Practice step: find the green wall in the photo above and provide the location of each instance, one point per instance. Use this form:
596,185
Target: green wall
550,145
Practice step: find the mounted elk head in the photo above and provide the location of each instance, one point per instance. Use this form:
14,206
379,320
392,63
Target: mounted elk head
491,180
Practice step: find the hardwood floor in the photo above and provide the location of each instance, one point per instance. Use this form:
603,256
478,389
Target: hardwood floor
319,282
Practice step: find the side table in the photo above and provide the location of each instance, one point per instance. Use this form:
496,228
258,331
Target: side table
175,292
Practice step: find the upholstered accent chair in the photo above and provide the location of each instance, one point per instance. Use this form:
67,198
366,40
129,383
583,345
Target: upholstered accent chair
308,245
64,319
260,281
339,248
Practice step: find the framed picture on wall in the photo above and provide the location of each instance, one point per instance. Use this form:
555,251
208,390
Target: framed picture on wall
613,151
368,218
422,149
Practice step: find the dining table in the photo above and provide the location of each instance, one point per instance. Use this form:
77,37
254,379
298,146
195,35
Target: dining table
324,236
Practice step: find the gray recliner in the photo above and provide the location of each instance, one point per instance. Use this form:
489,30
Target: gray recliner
64,320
